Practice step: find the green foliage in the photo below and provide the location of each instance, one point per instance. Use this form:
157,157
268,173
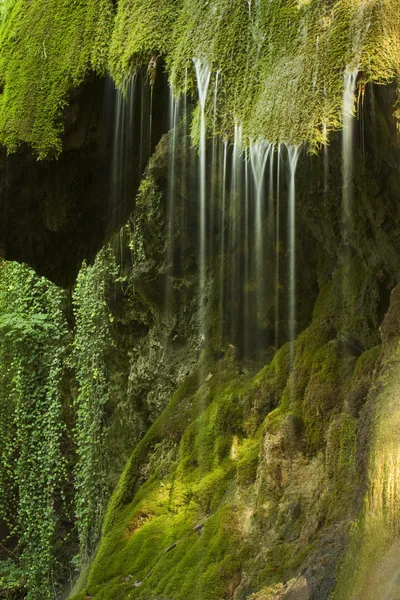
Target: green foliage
47,48
32,470
37,452
11,576
91,343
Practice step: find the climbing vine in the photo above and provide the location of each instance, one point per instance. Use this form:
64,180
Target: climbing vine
46,435
32,470
92,342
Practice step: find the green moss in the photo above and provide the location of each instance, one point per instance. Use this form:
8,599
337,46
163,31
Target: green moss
145,29
190,483
188,501
362,379
349,303
375,532
318,382
47,48
283,559
281,65
341,450
249,457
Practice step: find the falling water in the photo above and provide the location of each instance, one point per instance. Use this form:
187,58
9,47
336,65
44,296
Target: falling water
246,254
293,155
350,78
235,210
171,202
271,232
121,173
277,246
216,143
259,152
222,251
122,158
203,73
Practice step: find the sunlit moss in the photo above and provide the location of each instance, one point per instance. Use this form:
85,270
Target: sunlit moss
281,65
47,48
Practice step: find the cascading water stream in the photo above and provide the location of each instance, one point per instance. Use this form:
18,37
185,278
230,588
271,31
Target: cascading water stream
350,79
293,155
222,246
171,202
215,162
246,254
121,172
277,245
235,229
203,73
259,152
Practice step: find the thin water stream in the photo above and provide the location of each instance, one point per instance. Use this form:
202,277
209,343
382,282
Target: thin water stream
203,73
293,155
246,220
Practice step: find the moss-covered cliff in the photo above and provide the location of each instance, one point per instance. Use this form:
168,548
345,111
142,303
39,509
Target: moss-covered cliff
281,65
167,432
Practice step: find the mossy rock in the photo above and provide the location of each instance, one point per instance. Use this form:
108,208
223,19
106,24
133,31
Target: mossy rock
362,379
273,79
47,49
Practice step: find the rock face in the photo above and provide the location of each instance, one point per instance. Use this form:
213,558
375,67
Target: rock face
246,462
56,213
246,484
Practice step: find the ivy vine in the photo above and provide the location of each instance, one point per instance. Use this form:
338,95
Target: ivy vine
92,342
52,451
32,470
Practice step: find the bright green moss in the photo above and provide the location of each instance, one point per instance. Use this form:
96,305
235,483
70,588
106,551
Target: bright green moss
341,459
142,29
368,565
47,47
324,395
281,65
249,457
190,503
194,480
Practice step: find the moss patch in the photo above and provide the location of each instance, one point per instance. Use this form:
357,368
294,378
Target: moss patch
47,47
281,65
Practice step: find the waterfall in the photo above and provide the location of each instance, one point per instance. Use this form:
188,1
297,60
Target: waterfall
215,161
277,245
203,73
222,246
259,152
350,78
293,155
235,208
171,203
246,254
121,169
